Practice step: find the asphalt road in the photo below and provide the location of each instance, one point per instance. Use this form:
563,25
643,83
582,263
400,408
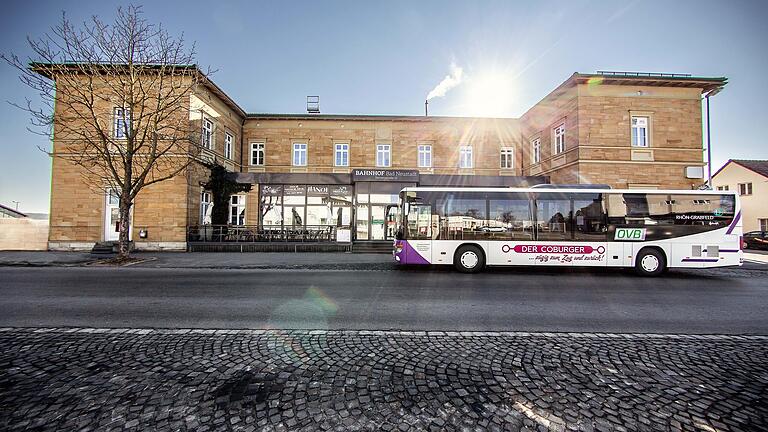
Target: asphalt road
732,301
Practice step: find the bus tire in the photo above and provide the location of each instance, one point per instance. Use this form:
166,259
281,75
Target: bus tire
469,259
650,262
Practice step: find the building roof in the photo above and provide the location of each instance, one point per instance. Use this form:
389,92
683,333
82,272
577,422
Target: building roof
372,117
47,70
758,166
12,212
709,85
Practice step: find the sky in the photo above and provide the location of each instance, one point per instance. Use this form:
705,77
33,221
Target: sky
365,57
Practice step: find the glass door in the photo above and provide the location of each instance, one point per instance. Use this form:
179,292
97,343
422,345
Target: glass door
362,222
391,221
112,216
378,221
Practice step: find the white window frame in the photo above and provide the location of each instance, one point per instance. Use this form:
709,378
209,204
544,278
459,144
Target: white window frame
229,140
258,150
299,154
118,117
207,133
206,206
558,138
341,154
425,156
635,138
507,154
722,188
466,158
383,155
236,202
745,189
536,150
762,223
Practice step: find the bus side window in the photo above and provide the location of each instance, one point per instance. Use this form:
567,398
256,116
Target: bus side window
420,222
588,217
553,216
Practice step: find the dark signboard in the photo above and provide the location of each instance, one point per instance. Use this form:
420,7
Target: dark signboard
390,175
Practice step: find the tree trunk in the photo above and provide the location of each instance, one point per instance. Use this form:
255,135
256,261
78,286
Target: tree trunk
123,250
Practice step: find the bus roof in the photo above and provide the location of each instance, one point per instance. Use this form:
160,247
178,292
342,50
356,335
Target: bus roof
569,190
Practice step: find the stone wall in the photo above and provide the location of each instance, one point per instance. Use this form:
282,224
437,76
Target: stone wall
23,234
445,135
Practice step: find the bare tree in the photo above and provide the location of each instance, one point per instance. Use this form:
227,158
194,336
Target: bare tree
115,102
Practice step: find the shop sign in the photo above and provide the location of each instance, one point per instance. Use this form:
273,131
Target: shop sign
317,190
294,190
407,176
271,190
344,190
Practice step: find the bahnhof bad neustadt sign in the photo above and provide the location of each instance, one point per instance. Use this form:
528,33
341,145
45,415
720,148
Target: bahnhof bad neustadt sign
407,176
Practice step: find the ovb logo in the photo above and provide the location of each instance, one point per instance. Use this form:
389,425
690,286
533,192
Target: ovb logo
632,234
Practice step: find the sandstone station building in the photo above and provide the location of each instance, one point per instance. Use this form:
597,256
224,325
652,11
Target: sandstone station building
342,172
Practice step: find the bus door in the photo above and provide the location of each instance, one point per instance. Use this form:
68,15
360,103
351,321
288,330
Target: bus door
419,234
391,221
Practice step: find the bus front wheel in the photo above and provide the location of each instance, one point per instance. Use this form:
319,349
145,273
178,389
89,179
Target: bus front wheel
469,259
650,262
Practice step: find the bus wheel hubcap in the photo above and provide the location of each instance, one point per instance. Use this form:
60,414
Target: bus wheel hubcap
650,263
469,259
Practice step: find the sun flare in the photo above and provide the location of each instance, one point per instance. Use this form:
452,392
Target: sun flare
490,94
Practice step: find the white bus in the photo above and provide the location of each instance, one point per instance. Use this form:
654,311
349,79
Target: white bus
650,230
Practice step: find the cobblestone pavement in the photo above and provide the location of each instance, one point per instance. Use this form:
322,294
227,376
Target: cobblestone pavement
101,379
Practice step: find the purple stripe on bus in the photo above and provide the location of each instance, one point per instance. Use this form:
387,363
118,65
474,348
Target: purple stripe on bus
411,255
699,260
733,224
730,250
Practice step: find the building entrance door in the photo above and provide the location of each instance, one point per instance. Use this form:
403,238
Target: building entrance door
378,222
112,216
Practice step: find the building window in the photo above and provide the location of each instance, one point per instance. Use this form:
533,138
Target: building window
122,122
639,131
536,151
206,207
559,139
465,157
763,224
207,138
237,210
299,154
383,155
257,153
722,188
507,158
341,155
425,156
228,140
745,188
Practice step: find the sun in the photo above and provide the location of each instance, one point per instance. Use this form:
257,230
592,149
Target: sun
489,94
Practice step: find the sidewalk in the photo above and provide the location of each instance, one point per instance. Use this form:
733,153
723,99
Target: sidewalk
280,380
216,260
756,256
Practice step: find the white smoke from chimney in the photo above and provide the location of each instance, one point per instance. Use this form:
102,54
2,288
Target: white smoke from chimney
450,81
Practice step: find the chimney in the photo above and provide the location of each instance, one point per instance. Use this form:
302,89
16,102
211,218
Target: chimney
313,104
426,108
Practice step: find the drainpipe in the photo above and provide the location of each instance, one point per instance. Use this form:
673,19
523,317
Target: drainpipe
709,148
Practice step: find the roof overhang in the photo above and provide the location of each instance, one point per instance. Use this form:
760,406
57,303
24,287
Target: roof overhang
709,85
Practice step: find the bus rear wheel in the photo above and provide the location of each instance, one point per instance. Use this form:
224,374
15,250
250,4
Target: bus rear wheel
650,262
469,259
